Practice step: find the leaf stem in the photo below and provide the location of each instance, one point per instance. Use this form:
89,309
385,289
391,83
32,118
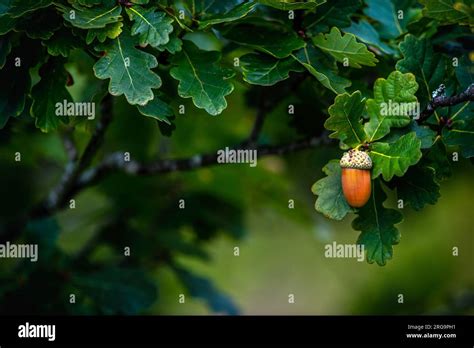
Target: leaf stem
459,111
171,14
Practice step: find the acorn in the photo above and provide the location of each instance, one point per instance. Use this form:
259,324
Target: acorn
356,183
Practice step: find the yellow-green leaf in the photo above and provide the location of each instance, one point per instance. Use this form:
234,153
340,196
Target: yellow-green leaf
393,103
390,159
345,48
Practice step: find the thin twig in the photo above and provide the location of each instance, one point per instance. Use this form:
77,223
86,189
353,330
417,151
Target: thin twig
257,126
262,111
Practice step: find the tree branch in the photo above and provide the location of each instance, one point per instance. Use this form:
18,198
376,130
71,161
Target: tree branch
115,162
76,177
443,101
69,146
60,194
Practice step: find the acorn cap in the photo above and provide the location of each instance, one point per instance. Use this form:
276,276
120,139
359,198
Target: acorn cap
356,159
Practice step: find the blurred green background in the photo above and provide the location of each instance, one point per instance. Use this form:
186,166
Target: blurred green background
281,249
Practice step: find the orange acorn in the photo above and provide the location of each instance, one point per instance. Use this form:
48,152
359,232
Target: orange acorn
356,183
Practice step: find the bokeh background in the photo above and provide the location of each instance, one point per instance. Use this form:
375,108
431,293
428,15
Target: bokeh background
281,249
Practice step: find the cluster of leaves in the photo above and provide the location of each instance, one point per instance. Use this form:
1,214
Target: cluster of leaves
129,38
151,53
409,156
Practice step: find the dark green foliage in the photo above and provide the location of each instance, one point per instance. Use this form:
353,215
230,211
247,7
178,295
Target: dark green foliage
334,64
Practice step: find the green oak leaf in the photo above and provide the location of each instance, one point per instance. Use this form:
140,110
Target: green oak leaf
157,109
117,290
287,5
343,47
14,93
110,31
152,27
201,78
424,133
236,13
345,119
91,17
129,70
333,13
423,27
260,69
461,134
5,49
449,11
385,12
418,187
366,33
377,226
204,7
395,158
41,24
88,3
321,67
62,43
51,89
393,103
428,67
461,131
331,202
437,158
277,43
443,34
17,8
173,46
465,72
7,23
